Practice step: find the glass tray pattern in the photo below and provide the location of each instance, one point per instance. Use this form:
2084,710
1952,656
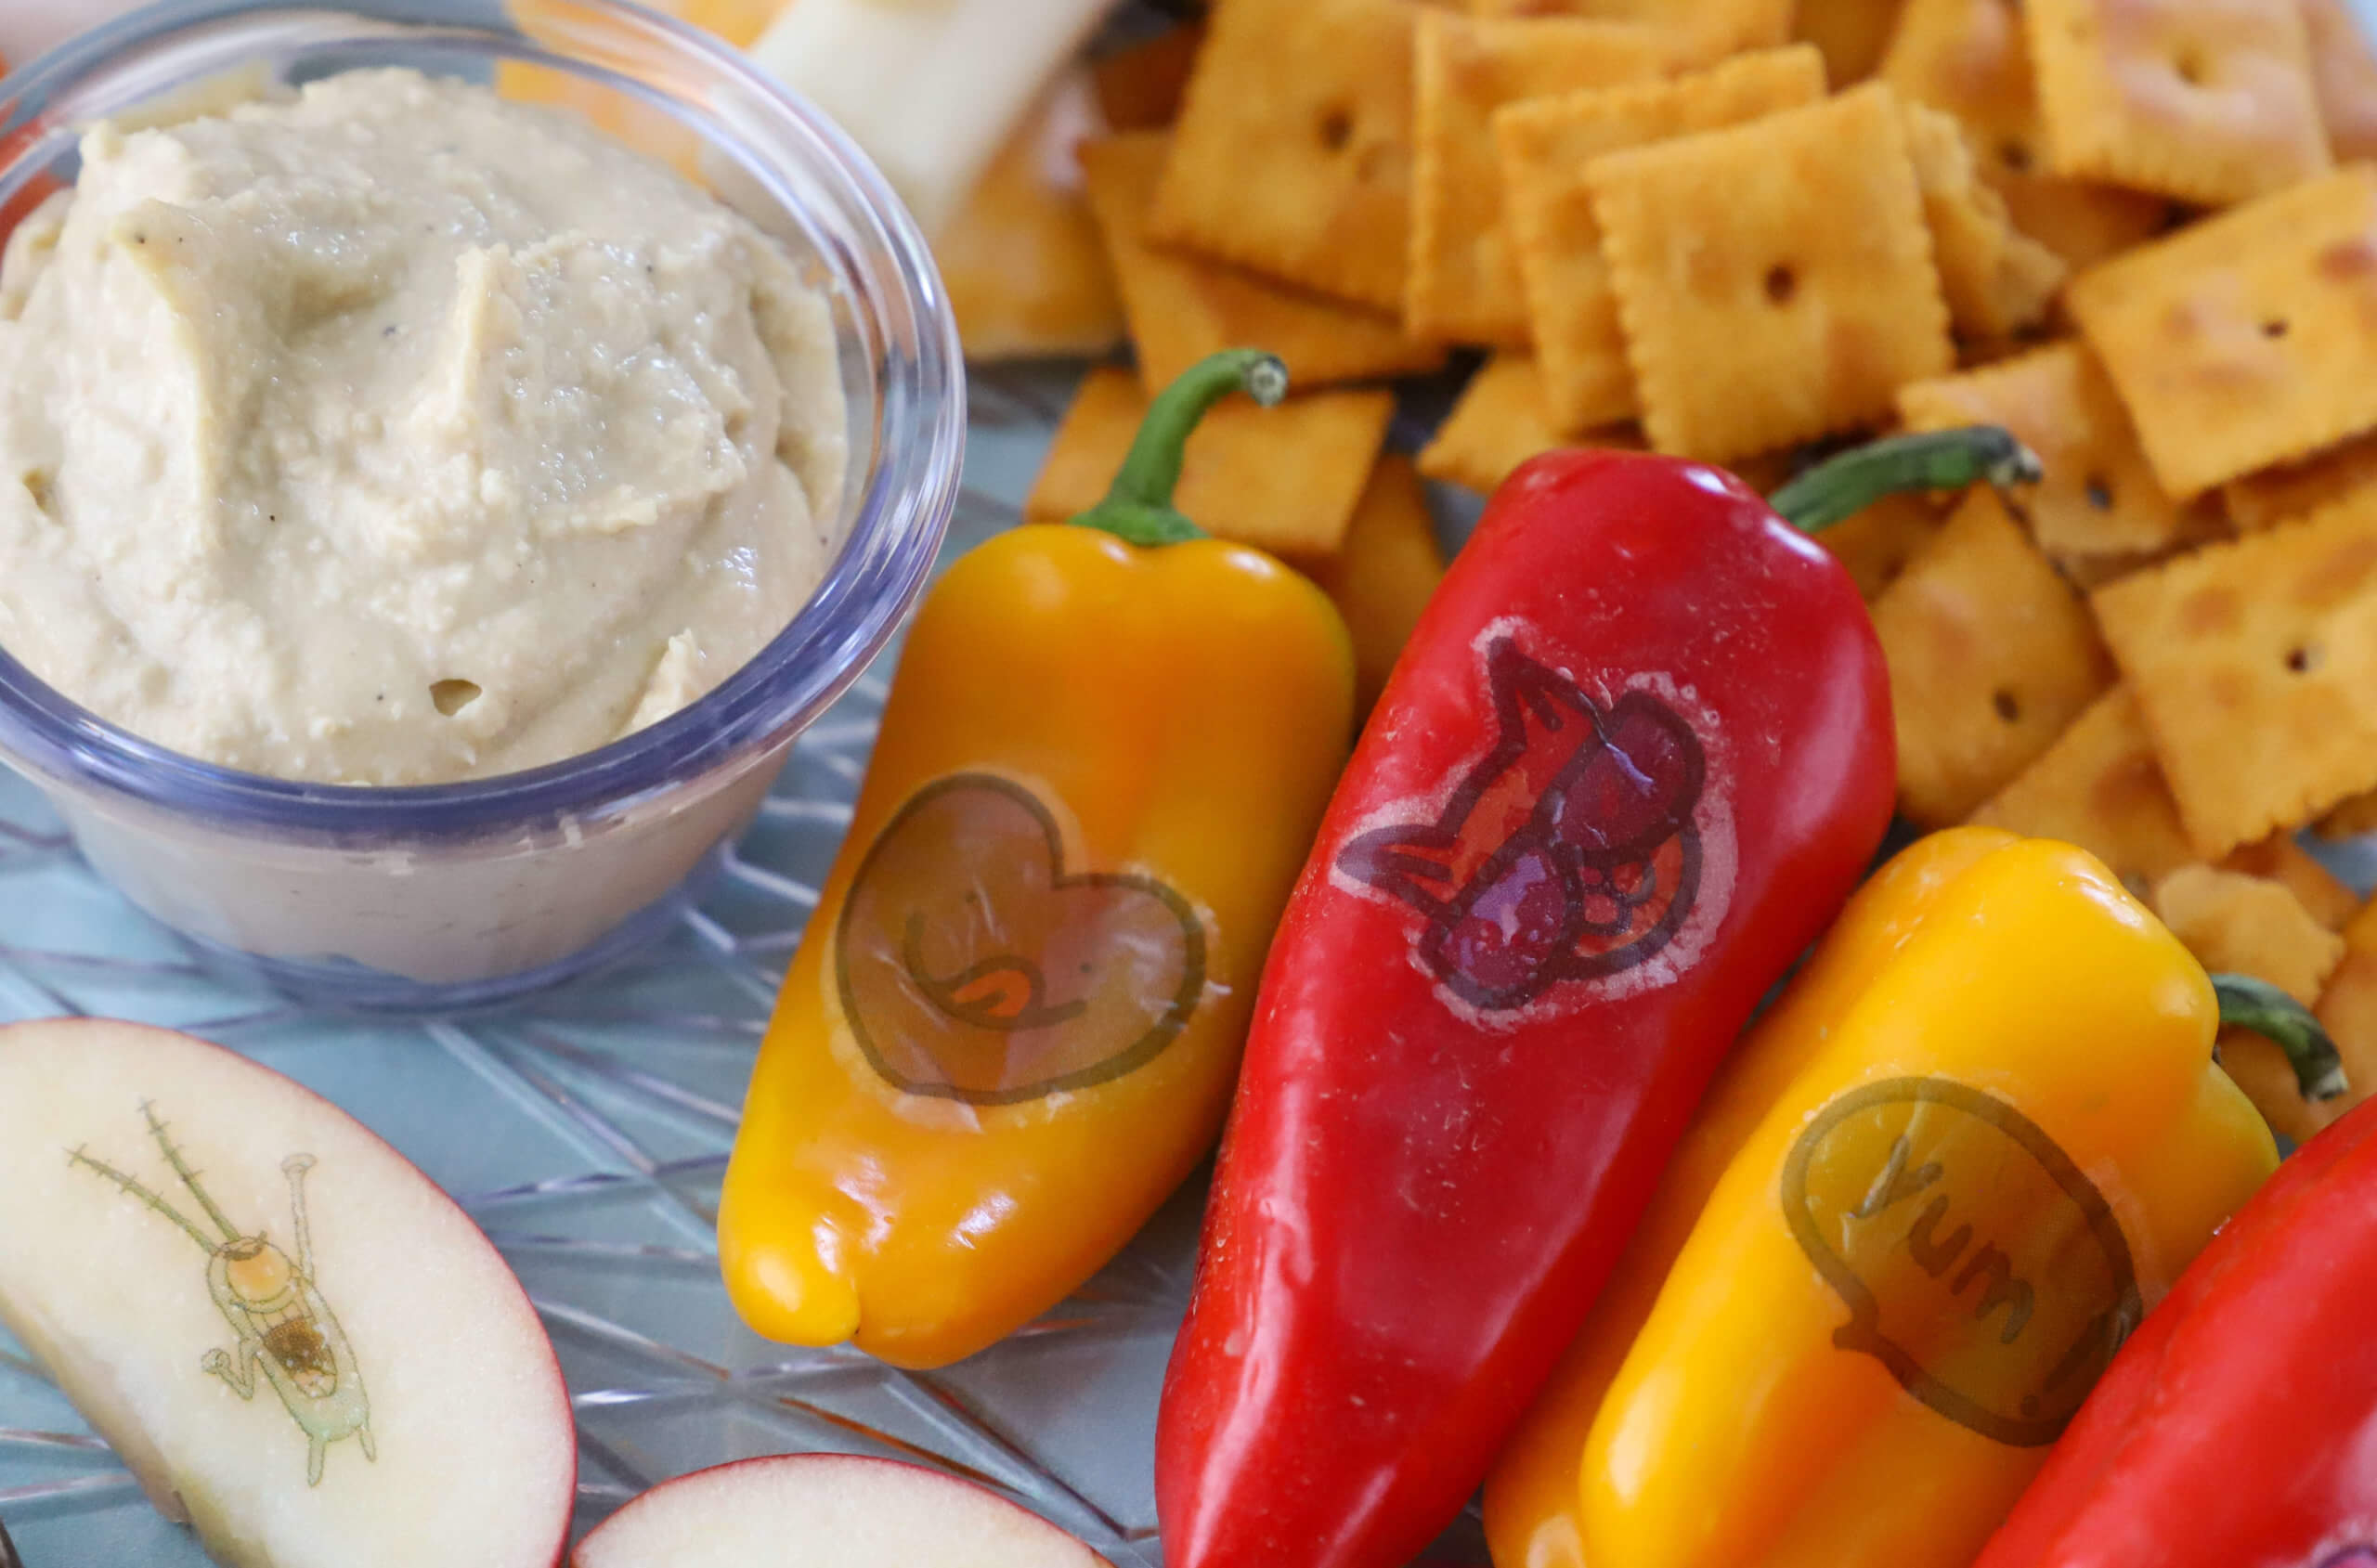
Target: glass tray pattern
586,1129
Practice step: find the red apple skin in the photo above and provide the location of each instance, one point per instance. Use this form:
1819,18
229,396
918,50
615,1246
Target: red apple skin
820,1462
102,1028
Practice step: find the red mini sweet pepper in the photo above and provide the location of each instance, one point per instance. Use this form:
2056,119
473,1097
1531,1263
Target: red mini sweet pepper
1637,752
2234,1428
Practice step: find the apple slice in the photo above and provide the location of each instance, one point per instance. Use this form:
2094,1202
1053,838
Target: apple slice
292,1338
826,1510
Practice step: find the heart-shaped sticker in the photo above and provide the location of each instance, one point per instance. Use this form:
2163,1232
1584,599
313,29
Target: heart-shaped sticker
972,966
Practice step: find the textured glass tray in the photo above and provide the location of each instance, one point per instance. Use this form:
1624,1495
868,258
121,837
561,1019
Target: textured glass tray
587,1129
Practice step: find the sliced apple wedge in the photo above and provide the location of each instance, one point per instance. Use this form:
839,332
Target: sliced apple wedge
292,1338
826,1510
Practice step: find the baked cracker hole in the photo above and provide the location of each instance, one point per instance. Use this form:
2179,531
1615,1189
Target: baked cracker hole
2007,707
2303,660
1781,283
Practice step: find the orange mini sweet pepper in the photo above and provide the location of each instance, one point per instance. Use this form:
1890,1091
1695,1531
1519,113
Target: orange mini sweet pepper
1933,1189
1013,1024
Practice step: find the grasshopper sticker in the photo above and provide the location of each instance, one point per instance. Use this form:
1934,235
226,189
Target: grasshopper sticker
279,1322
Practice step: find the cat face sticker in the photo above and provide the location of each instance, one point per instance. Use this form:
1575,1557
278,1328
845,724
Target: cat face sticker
1573,849
973,966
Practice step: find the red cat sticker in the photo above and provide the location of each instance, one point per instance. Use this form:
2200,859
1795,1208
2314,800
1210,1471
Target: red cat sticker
1590,844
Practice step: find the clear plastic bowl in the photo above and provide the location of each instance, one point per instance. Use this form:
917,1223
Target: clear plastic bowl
455,895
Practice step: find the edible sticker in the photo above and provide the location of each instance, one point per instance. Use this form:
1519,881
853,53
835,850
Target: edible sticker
974,967
1575,850
1977,1261
281,1324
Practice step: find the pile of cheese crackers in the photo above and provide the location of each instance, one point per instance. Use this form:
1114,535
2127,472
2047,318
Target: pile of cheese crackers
2136,232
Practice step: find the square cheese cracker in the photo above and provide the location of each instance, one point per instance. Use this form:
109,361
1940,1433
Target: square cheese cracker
1283,479
1462,284
1140,85
1998,280
1184,307
1969,58
1991,655
2349,818
1383,578
1851,33
1545,147
2343,74
1710,29
2100,785
2081,222
1775,280
1877,544
2243,925
2348,1007
2099,497
1020,259
2246,340
2281,858
1293,153
1498,423
2210,101
2301,488
2252,663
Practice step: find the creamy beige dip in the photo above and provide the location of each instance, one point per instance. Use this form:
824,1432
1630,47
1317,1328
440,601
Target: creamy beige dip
394,434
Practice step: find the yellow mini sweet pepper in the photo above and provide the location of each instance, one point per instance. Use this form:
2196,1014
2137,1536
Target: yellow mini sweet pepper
1531,1494
1013,1024
1980,1134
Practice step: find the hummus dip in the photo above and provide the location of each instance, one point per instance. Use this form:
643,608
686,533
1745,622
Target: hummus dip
394,434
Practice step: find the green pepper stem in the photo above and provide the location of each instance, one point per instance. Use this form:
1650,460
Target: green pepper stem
1139,505
1939,459
2286,1023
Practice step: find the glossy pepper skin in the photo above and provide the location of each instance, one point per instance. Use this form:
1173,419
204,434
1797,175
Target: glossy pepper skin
1013,1024
2002,1151
1637,752
1531,1514
2234,1430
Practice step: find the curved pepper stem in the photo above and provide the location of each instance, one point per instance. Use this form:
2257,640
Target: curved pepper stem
1139,505
1939,459
2286,1023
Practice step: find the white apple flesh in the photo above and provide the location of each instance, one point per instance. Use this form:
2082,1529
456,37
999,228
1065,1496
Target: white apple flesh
826,1510
292,1337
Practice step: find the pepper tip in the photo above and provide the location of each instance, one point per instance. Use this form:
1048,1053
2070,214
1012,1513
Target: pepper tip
794,1288
2256,1004
1266,379
2016,465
